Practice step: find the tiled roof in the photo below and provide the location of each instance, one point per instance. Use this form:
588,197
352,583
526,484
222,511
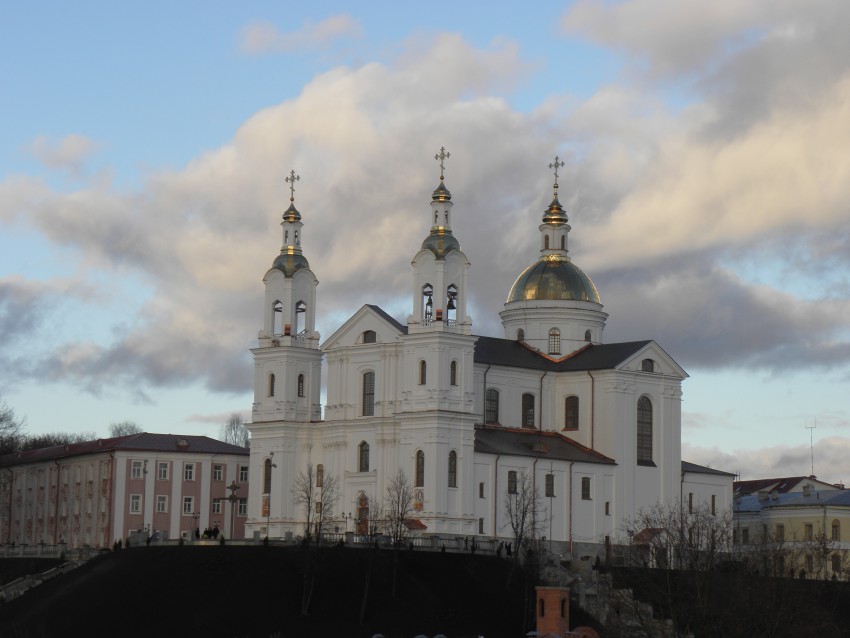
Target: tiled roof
701,469
145,441
536,443
516,354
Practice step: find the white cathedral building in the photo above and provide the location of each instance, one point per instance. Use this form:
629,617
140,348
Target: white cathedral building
594,426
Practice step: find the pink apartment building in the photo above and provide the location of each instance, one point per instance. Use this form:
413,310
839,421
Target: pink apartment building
93,493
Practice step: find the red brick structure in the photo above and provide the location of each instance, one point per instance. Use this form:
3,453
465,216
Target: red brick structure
553,610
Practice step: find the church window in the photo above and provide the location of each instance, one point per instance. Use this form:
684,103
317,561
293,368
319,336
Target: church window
546,242
277,313
512,482
481,490
420,469
296,237
527,410
363,457
451,303
836,530
550,485
644,431
571,413
563,242
453,373
452,469
271,385
320,475
267,476
554,341
808,531
607,508
520,335
587,335
647,365
370,336
480,525
585,488
300,385
423,372
300,309
369,394
491,406
286,237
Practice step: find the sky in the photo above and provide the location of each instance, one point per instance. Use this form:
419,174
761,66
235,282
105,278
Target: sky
143,150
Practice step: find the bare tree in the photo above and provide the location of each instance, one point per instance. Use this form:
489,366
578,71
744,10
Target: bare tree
235,432
317,495
52,439
11,429
123,428
522,506
398,508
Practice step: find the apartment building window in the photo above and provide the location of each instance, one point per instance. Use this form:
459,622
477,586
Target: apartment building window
745,535
135,504
162,471
511,482
836,530
808,531
189,472
188,505
243,473
161,503
585,488
780,532
550,485
218,472
810,564
243,507
836,563
136,470
216,506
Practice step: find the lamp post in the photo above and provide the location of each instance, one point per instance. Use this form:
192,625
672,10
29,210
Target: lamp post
195,517
233,500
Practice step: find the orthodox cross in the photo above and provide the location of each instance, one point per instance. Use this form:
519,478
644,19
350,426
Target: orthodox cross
556,165
442,156
291,181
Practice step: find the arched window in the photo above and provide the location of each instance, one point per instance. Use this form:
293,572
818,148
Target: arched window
546,242
587,335
644,431
520,335
267,476
491,406
320,475
277,313
369,394
527,410
423,372
271,384
647,365
363,457
453,373
370,336
571,413
300,309
554,341
300,385
512,482
427,302
420,469
452,469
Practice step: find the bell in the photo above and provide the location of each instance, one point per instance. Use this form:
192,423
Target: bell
451,304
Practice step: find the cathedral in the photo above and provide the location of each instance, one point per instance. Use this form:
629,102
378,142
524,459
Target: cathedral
592,428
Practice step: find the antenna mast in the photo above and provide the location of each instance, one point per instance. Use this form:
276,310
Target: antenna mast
811,429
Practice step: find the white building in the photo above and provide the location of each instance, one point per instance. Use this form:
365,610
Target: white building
596,427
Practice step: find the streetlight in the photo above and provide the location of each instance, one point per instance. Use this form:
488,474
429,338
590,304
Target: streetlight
195,517
233,500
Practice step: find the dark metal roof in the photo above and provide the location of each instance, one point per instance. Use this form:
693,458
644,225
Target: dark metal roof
516,354
536,443
816,498
145,441
780,485
398,326
702,469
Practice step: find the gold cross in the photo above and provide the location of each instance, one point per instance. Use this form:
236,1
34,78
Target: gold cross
442,156
291,181
556,165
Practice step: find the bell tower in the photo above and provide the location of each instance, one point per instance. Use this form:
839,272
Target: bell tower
287,361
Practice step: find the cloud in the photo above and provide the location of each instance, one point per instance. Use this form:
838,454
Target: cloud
68,154
830,460
263,37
